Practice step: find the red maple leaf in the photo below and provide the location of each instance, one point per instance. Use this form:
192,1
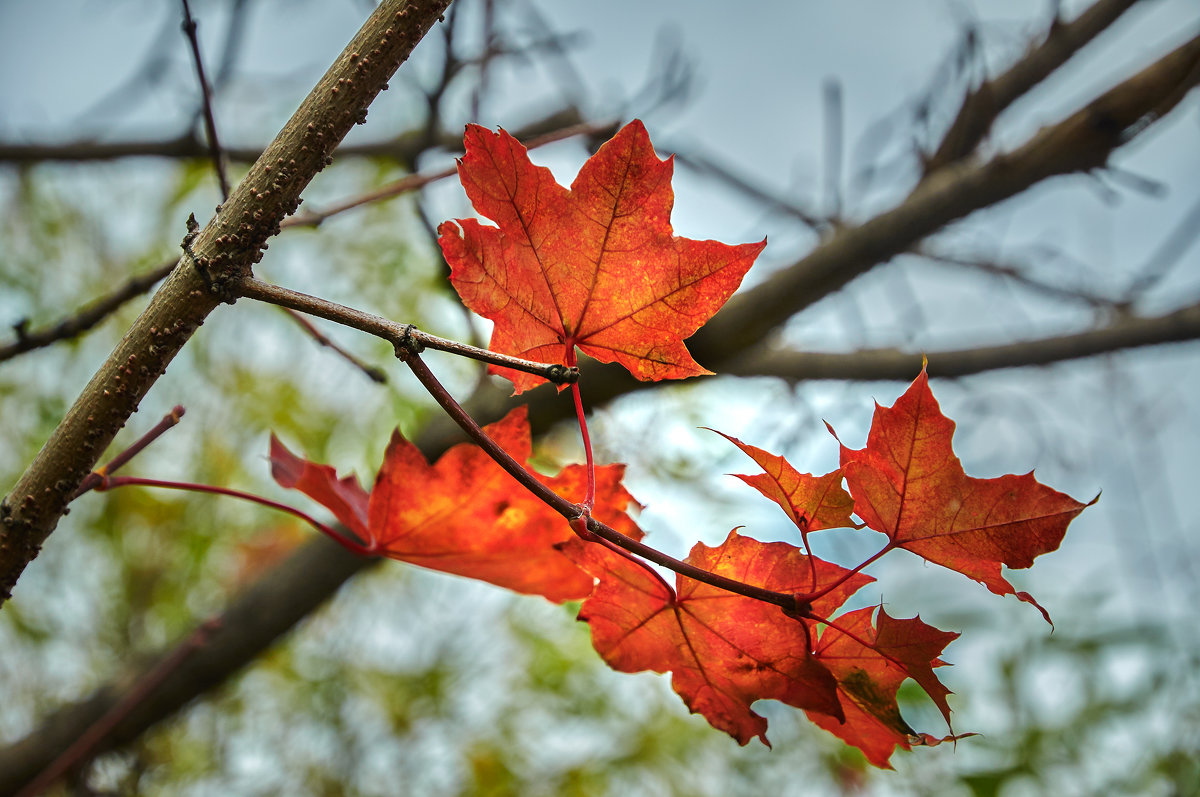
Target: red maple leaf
724,651
812,502
908,484
868,678
465,514
595,267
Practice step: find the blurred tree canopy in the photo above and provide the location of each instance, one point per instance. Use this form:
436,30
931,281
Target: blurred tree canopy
1007,191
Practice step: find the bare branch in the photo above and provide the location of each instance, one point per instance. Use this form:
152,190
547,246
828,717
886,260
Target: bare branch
412,182
373,373
1081,142
251,624
985,103
401,336
1012,272
86,318
403,148
1125,332
210,122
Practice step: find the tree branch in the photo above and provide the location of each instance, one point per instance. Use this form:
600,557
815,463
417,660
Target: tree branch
88,317
252,623
1125,332
985,103
1081,142
225,250
404,147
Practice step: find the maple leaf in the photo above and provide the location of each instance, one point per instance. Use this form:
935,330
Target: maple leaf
344,497
724,651
595,267
869,677
465,515
908,484
812,502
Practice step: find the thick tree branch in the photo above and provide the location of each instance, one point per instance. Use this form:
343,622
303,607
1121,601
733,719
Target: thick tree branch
226,249
1125,332
986,102
260,614
1081,142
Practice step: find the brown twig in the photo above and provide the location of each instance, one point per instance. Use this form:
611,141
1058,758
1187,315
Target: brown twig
787,601
399,335
313,217
374,373
210,122
985,103
1012,272
87,317
96,477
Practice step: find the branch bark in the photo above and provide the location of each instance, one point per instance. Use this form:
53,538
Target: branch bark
985,103
250,625
403,148
1083,141
225,249
1125,332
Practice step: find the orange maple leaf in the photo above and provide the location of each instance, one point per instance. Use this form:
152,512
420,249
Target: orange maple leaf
811,502
724,651
869,677
908,484
465,515
595,267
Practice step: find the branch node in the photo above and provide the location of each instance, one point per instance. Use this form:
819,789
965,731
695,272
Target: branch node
224,288
563,375
579,525
407,344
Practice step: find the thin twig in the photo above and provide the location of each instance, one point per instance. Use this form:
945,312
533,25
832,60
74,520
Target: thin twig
210,122
793,604
399,335
94,479
374,373
89,316
1012,272
412,182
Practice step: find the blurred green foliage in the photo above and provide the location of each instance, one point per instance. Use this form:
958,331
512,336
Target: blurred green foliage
418,683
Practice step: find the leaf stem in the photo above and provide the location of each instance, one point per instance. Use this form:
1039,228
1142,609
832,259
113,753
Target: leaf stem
107,483
94,479
590,500
868,645
849,574
399,335
570,511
